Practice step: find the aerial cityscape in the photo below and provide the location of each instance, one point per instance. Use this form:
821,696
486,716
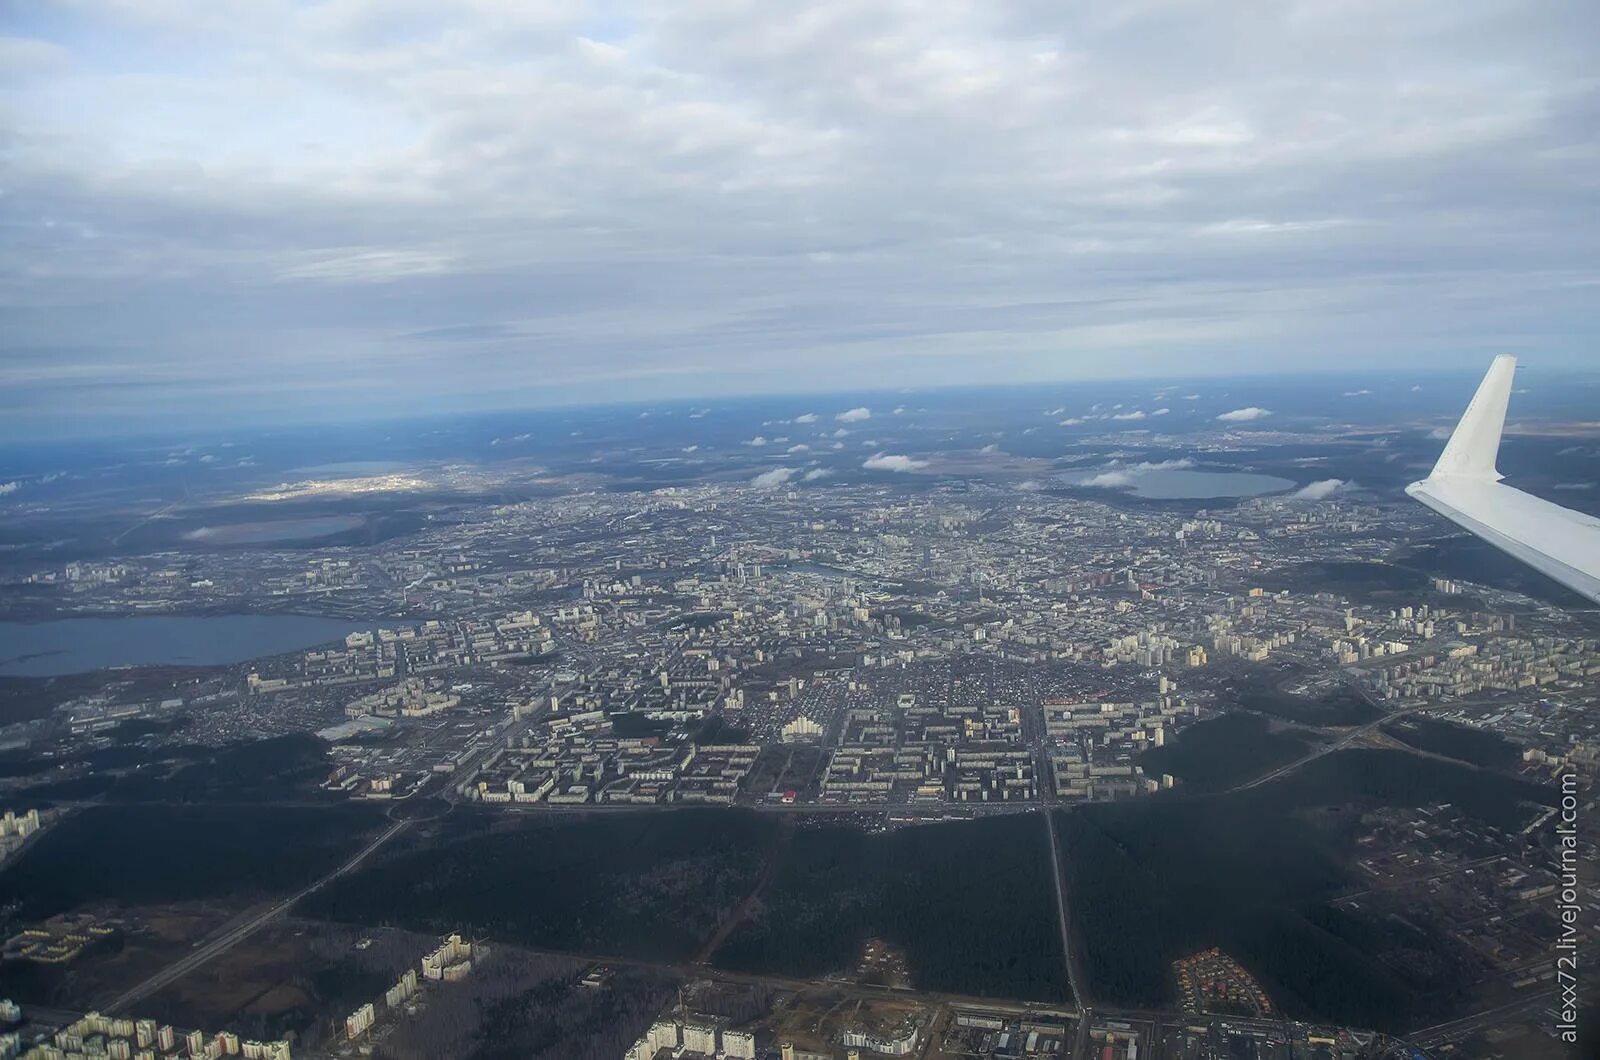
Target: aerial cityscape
981,726
837,530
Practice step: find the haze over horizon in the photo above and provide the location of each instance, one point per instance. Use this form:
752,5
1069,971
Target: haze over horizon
244,210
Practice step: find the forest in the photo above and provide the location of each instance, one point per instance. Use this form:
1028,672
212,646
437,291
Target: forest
1474,746
140,855
1224,751
248,771
970,903
1152,880
650,885
1338,706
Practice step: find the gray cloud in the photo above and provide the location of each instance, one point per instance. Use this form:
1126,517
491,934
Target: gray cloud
368,204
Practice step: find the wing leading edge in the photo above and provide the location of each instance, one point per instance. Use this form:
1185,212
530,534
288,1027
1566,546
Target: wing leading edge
1465,488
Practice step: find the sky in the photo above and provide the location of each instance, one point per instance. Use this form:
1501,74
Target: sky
249,210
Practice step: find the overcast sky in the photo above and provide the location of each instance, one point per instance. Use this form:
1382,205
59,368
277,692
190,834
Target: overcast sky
253,208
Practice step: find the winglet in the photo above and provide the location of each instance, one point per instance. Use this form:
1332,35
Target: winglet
1473,446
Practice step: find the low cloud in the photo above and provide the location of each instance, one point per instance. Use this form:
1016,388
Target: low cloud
818,473
1136,414
854,415
1071,421
1363,392
772,479
806,417
1110,479
1558,485
757,441
1320,490
802,448
1118,477
892,462
9,487
990,448
1244,415
1160,412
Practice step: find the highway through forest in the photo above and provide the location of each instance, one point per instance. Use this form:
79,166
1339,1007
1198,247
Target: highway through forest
239,932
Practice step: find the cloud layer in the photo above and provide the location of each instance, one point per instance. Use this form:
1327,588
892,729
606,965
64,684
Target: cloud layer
893,462
264,206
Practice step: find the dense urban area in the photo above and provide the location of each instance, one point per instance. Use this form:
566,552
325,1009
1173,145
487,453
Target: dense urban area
913,765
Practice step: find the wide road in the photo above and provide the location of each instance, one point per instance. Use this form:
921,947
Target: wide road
1044,781
1357,733
237,934
1326,749
1345,740
942,811
1442,1034
1058,875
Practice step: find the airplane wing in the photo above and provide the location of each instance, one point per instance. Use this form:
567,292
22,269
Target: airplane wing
1465,488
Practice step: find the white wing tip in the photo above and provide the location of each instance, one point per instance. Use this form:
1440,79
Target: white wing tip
1474,445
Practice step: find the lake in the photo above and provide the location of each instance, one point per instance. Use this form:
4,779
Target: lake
1180,484
78,645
